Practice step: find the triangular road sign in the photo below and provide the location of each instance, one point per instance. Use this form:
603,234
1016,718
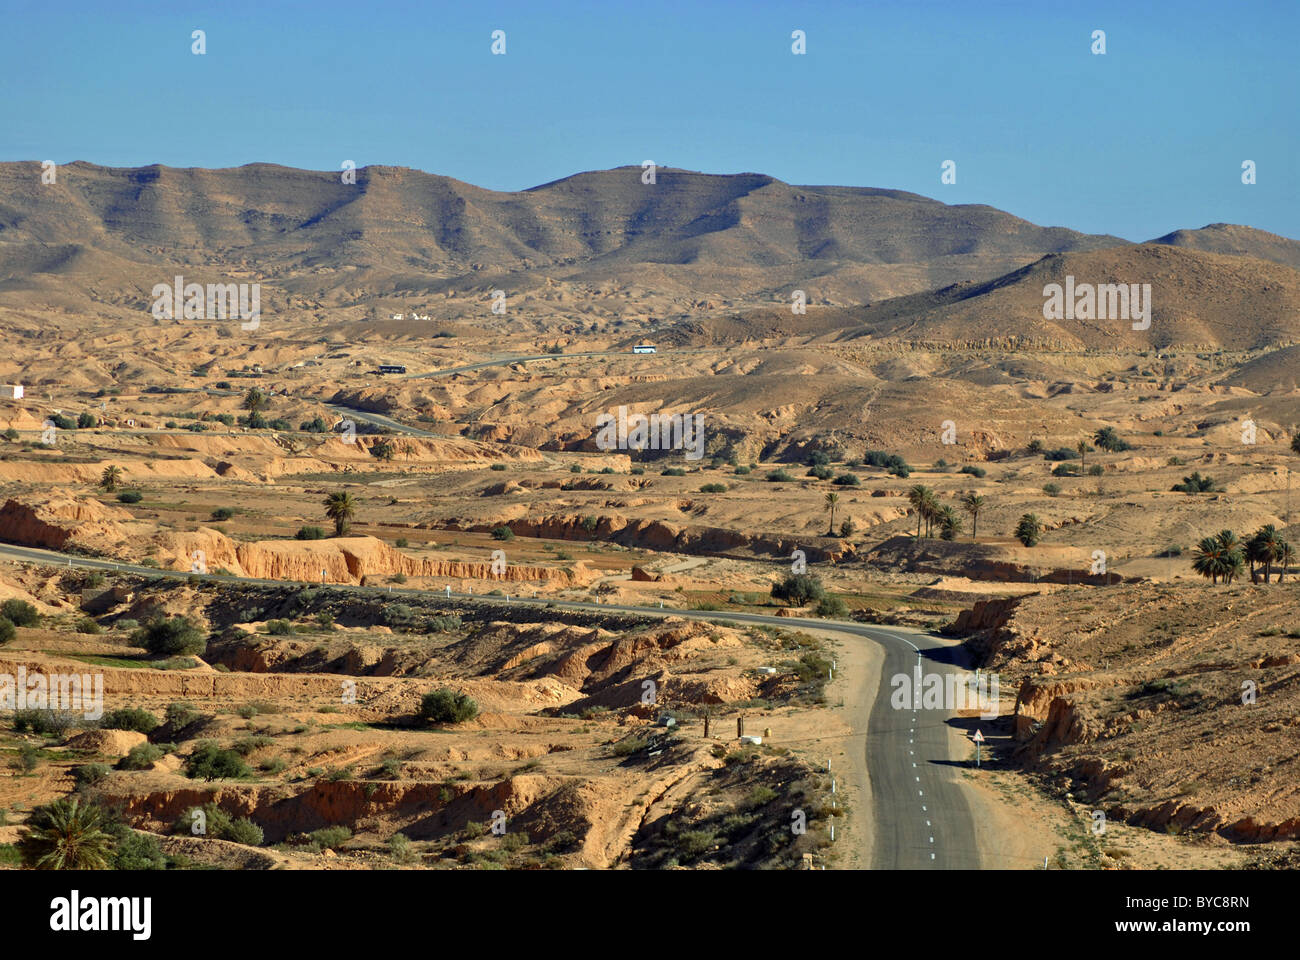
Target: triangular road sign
979,737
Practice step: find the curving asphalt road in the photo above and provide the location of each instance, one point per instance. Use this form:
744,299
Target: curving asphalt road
921,817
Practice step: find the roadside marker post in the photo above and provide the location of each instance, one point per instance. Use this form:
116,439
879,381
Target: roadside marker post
978,738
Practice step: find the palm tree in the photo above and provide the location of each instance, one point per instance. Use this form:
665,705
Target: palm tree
930,508
66,835
1231,555
340,507
109,478
832,501
919,496
1029,529
949,522
1208,561
973,503
1265,547
1083,448
1285,557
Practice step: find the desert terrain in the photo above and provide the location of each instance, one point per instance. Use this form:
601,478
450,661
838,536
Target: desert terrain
344,542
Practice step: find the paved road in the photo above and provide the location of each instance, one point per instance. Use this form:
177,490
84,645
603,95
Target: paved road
920,813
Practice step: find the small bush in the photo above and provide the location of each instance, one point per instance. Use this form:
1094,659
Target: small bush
175,636
20,613
673,472
503,533
331,837
87,625
243,831
141,757
973,471
714,488
310,533
279,628
798,589
446,706
829,606
89,774
7,630
847,480
129,718
1051,489
222,513
779,476
211,762
130,496
498,466
180,715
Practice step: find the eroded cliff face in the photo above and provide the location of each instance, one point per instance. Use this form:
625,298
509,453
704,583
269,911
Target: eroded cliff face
60,522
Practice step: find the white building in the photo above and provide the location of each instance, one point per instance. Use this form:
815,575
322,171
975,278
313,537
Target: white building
11,391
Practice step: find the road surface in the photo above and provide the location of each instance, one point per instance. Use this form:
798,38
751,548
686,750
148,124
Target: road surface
921,816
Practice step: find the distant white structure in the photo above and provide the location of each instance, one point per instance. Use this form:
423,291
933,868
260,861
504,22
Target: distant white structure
11,391
397,316
644,348
416,316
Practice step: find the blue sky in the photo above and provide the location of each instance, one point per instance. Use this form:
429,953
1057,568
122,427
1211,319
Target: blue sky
1148,138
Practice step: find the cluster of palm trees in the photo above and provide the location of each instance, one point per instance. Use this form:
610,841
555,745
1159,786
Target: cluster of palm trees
933,514
1225,556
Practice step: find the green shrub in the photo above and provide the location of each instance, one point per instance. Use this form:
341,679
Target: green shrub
175,636
135,850
446,706
279,628
7,630
20,613
87,625
973,471
847,480
331,837
829,606
672,472
222,513
310,533
714,488
503,533
798,589
498,466
129,718
243,831
400,848
401,543
1051,489
141,757
180,714
821,473
89,774
130,496
741,471
211,762
779,476
48,723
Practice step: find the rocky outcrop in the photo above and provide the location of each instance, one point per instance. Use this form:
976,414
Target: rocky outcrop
339,560
61,522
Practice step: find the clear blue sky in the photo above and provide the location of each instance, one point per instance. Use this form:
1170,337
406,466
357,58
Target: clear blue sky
1141,141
